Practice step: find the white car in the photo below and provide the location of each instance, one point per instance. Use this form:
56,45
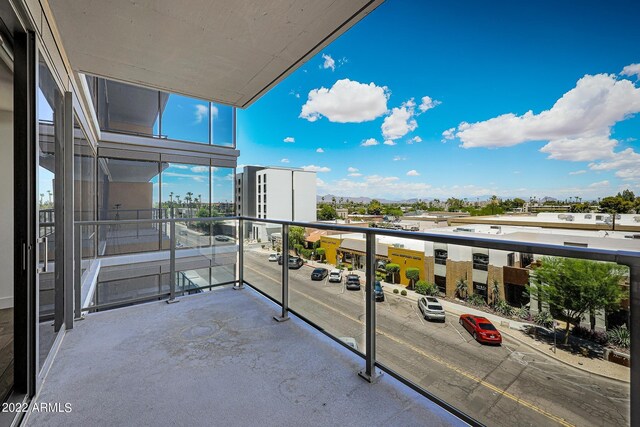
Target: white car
335,275
431,308
273,257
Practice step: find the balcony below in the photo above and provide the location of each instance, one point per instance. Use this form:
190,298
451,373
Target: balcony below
217,358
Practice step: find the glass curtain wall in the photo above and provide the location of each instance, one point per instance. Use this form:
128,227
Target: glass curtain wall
84,171
50,124
125,108
222,201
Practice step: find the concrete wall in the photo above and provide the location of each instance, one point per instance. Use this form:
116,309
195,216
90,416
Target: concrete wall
6,220
330,245
459,270
278,193
407,258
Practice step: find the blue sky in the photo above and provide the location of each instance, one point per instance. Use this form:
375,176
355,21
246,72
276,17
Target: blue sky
522,99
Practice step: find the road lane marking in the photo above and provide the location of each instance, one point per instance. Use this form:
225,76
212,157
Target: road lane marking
454,328
440,361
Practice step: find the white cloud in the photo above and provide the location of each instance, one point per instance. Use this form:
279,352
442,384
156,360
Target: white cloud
202,112
284,161
328,62
369,142
399,122
355,174
579,172
631,70
173,165
399,158
346,102
626,163
314,168
599,184
413,172
414,140
448,135
578,126
389,142
352,169
377,186
428,103
319,150
294,93
289,139
200,169
197,178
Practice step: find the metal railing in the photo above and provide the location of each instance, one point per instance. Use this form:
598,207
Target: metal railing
621,257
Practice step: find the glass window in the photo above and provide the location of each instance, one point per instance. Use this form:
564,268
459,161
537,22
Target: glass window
222,124
84,189
185,190
222,180
186,119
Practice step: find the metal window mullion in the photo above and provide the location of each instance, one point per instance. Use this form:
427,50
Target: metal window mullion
68,207
240,259
634,325
172,262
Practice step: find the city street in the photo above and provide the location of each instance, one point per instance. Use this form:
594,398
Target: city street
505,385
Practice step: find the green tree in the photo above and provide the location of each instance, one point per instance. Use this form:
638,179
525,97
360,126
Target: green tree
413,274
374,208
616,205
320,252
296,236
393,270
393,211
327,213
575,287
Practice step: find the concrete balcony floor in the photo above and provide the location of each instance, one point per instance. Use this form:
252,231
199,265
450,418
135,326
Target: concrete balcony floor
218,358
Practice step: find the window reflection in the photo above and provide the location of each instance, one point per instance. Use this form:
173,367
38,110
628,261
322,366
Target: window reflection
222,180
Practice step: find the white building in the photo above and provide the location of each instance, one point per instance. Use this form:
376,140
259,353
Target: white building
275,193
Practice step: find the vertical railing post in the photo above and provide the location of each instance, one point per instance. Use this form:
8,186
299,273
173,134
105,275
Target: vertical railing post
137,224
634,325
285,275
369,373
77,273
240,263
172,262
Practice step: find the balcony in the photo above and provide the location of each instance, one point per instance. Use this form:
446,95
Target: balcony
151,362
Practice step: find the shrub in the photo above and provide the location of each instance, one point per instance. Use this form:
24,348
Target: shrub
425,288
586,333
461,288
320,252
298,247
393,270
503,308
396,291
476,300
403,293
523,313
350,268
543,318
620,336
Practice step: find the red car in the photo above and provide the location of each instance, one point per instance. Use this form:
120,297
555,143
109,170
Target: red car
481,328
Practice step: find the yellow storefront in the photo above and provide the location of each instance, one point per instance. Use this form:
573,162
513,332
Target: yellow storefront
330,246
407,258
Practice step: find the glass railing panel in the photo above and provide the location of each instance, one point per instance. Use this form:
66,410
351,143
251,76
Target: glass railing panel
332,300
115,238
206,254
517,361
126,284
262,250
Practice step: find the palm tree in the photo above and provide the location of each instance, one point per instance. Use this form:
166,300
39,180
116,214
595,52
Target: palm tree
41,197
49,193
461,288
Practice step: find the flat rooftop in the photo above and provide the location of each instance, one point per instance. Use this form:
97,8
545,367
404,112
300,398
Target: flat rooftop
218,358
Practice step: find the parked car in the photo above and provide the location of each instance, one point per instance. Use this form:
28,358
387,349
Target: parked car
319,273
431,308
377,290
274,258
481,328
335,275
294,261
353,282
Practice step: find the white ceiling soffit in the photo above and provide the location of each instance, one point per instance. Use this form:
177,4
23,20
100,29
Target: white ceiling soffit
226,51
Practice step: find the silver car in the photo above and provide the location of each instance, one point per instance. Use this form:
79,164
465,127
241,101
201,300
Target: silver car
431,308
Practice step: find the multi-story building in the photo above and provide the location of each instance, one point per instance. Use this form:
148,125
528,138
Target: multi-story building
276,193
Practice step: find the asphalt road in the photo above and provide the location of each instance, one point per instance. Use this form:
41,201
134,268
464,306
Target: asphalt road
503,385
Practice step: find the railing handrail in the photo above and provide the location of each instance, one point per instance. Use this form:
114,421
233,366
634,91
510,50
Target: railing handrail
496,242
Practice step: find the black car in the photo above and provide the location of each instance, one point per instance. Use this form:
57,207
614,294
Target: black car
353,282
319,274
377,290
